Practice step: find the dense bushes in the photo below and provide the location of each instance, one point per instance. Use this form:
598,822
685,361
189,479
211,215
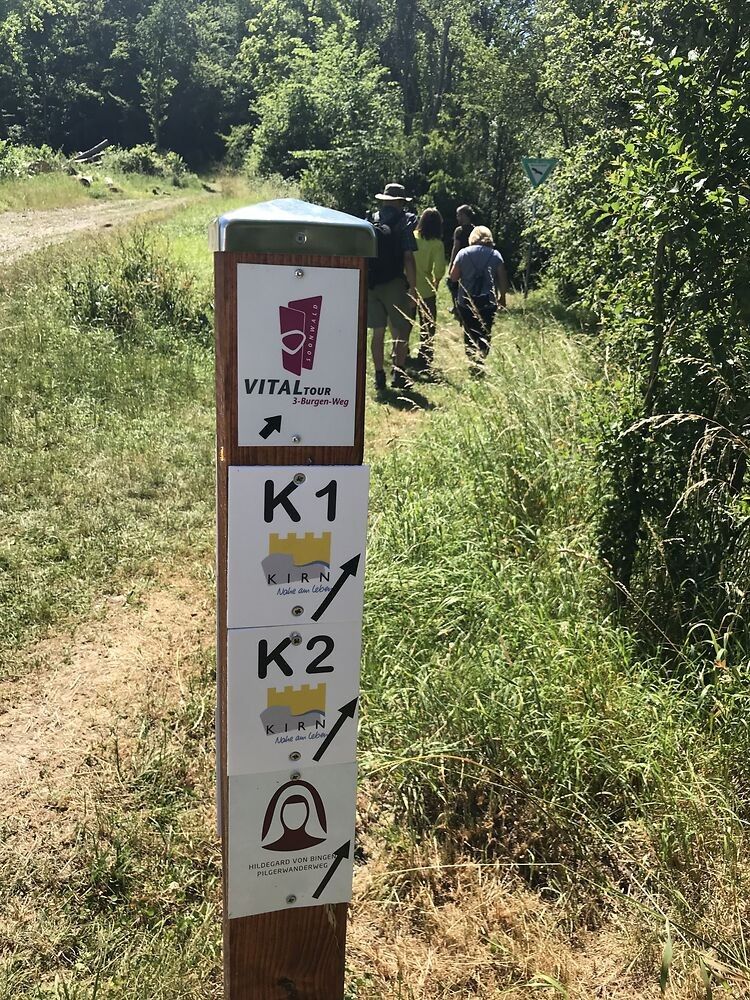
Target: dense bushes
651,224
20,161
146,159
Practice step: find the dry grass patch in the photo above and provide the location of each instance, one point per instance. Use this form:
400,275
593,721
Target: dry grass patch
429,924
91,683
107,823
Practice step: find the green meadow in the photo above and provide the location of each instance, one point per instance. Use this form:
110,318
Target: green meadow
509,724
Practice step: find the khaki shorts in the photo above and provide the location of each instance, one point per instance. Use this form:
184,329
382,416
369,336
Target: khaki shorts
390,303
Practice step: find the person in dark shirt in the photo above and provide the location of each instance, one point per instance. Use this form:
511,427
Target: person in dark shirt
391,298
465,217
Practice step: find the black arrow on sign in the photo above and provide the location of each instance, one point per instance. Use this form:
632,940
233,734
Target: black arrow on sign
349,568
347,712
272,424
338,857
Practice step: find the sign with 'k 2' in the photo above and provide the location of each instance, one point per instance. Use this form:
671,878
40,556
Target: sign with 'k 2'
296,354
292,691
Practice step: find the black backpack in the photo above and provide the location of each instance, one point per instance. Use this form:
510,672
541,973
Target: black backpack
389,263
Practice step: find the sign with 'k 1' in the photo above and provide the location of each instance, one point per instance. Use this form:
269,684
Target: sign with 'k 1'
296,544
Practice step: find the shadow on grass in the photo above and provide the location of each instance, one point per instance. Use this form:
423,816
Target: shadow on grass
543,304
404,399
436,377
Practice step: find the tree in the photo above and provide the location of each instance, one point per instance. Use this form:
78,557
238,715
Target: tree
43,44
335,124
164,41
658,246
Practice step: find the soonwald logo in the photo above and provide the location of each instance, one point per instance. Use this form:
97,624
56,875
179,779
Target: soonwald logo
299,321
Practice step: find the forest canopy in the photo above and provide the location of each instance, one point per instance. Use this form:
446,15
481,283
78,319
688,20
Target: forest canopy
644,229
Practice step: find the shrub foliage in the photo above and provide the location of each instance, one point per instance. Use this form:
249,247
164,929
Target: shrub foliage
650,227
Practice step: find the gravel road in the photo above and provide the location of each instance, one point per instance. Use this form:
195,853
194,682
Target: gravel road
26,232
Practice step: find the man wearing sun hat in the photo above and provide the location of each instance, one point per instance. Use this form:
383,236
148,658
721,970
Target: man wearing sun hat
391,279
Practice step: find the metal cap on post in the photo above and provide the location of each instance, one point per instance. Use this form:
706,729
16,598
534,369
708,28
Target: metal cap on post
288,225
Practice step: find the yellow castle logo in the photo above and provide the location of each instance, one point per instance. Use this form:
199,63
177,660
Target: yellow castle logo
299,700
308,549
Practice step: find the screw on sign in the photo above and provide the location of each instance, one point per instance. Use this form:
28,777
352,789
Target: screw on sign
291,510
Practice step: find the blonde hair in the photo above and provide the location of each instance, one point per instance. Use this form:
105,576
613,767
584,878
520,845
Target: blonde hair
481,234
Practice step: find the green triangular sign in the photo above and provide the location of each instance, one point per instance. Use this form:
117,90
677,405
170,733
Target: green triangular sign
538,169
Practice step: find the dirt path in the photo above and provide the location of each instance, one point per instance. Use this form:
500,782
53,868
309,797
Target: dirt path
88,684
26,232
91,684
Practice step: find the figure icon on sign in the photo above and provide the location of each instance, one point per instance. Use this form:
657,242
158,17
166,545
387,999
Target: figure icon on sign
295,818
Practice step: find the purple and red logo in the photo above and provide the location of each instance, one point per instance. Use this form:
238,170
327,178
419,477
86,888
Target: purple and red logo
299,321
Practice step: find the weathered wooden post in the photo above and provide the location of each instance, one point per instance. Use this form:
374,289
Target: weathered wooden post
291,296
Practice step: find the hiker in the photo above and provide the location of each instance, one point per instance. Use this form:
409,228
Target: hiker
430,261
465,217
392,279
482,280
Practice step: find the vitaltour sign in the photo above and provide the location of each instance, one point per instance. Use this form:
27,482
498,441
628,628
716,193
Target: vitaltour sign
292,519
296,354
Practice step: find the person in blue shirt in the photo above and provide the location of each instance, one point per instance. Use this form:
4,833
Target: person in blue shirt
482,280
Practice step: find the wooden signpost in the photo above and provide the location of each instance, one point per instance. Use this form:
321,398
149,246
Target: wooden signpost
291,298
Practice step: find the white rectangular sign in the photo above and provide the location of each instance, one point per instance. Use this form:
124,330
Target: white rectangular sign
291,839
296,544
292,696
297,331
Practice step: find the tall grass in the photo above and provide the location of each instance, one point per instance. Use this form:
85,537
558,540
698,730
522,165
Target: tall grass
503,714
137,293
106,415
60,190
